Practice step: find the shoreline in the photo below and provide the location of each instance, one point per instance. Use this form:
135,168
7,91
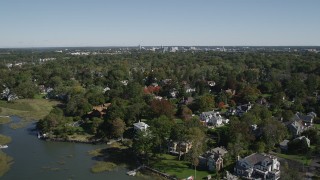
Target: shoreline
97,141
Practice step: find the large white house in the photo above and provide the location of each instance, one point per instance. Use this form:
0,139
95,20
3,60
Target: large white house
258,166
213,118
140,126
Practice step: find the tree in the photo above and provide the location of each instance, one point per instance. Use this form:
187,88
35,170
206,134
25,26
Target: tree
143,144
197,138
162,107
161,129
205,103
117,127
185,112
78,106
273,132
179,134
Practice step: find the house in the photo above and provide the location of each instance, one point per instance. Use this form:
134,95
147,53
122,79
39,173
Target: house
100,110
297,127
258,166
239,110
124,82
211,83
231,92
307,119
174,93
263,101
177,148
284,145
140,126
213,118
301,122
213,159
186,101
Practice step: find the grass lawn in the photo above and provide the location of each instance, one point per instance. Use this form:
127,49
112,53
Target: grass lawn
171,165
28,109
317,126
298,158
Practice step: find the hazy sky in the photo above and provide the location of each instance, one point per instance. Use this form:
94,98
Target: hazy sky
38,23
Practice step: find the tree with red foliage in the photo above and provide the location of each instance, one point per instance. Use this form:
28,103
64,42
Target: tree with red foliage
221,105
162,107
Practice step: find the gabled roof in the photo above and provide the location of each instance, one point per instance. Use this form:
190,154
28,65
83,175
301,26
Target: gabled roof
256,158
306,118
141,125
219,150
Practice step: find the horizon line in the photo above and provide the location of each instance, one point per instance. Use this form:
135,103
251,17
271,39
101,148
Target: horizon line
121,46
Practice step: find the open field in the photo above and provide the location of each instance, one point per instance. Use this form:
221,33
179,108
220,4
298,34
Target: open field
27,109
182,169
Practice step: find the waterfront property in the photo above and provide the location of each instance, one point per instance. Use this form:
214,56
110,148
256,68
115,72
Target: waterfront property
179,148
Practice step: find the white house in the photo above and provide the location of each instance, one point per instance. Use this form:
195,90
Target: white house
258,166
213,118
140,126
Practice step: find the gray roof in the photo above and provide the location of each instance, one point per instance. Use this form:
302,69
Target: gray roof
284,142
256,158
306,118
219,150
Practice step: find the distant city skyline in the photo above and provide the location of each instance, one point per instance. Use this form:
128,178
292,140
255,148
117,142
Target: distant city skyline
91,23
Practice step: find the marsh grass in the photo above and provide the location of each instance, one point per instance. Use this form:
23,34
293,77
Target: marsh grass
5,163
102,166
4,139
27,109
4,120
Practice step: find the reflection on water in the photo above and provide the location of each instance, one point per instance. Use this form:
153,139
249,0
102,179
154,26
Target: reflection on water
37,159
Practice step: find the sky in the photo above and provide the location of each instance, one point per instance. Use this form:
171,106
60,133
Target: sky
61,23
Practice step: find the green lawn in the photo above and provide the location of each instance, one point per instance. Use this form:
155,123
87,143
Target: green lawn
299,158
171,165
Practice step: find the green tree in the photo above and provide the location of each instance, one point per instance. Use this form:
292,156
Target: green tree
117,127
161,129
78,106
273,132
205,103
197,137
143,145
